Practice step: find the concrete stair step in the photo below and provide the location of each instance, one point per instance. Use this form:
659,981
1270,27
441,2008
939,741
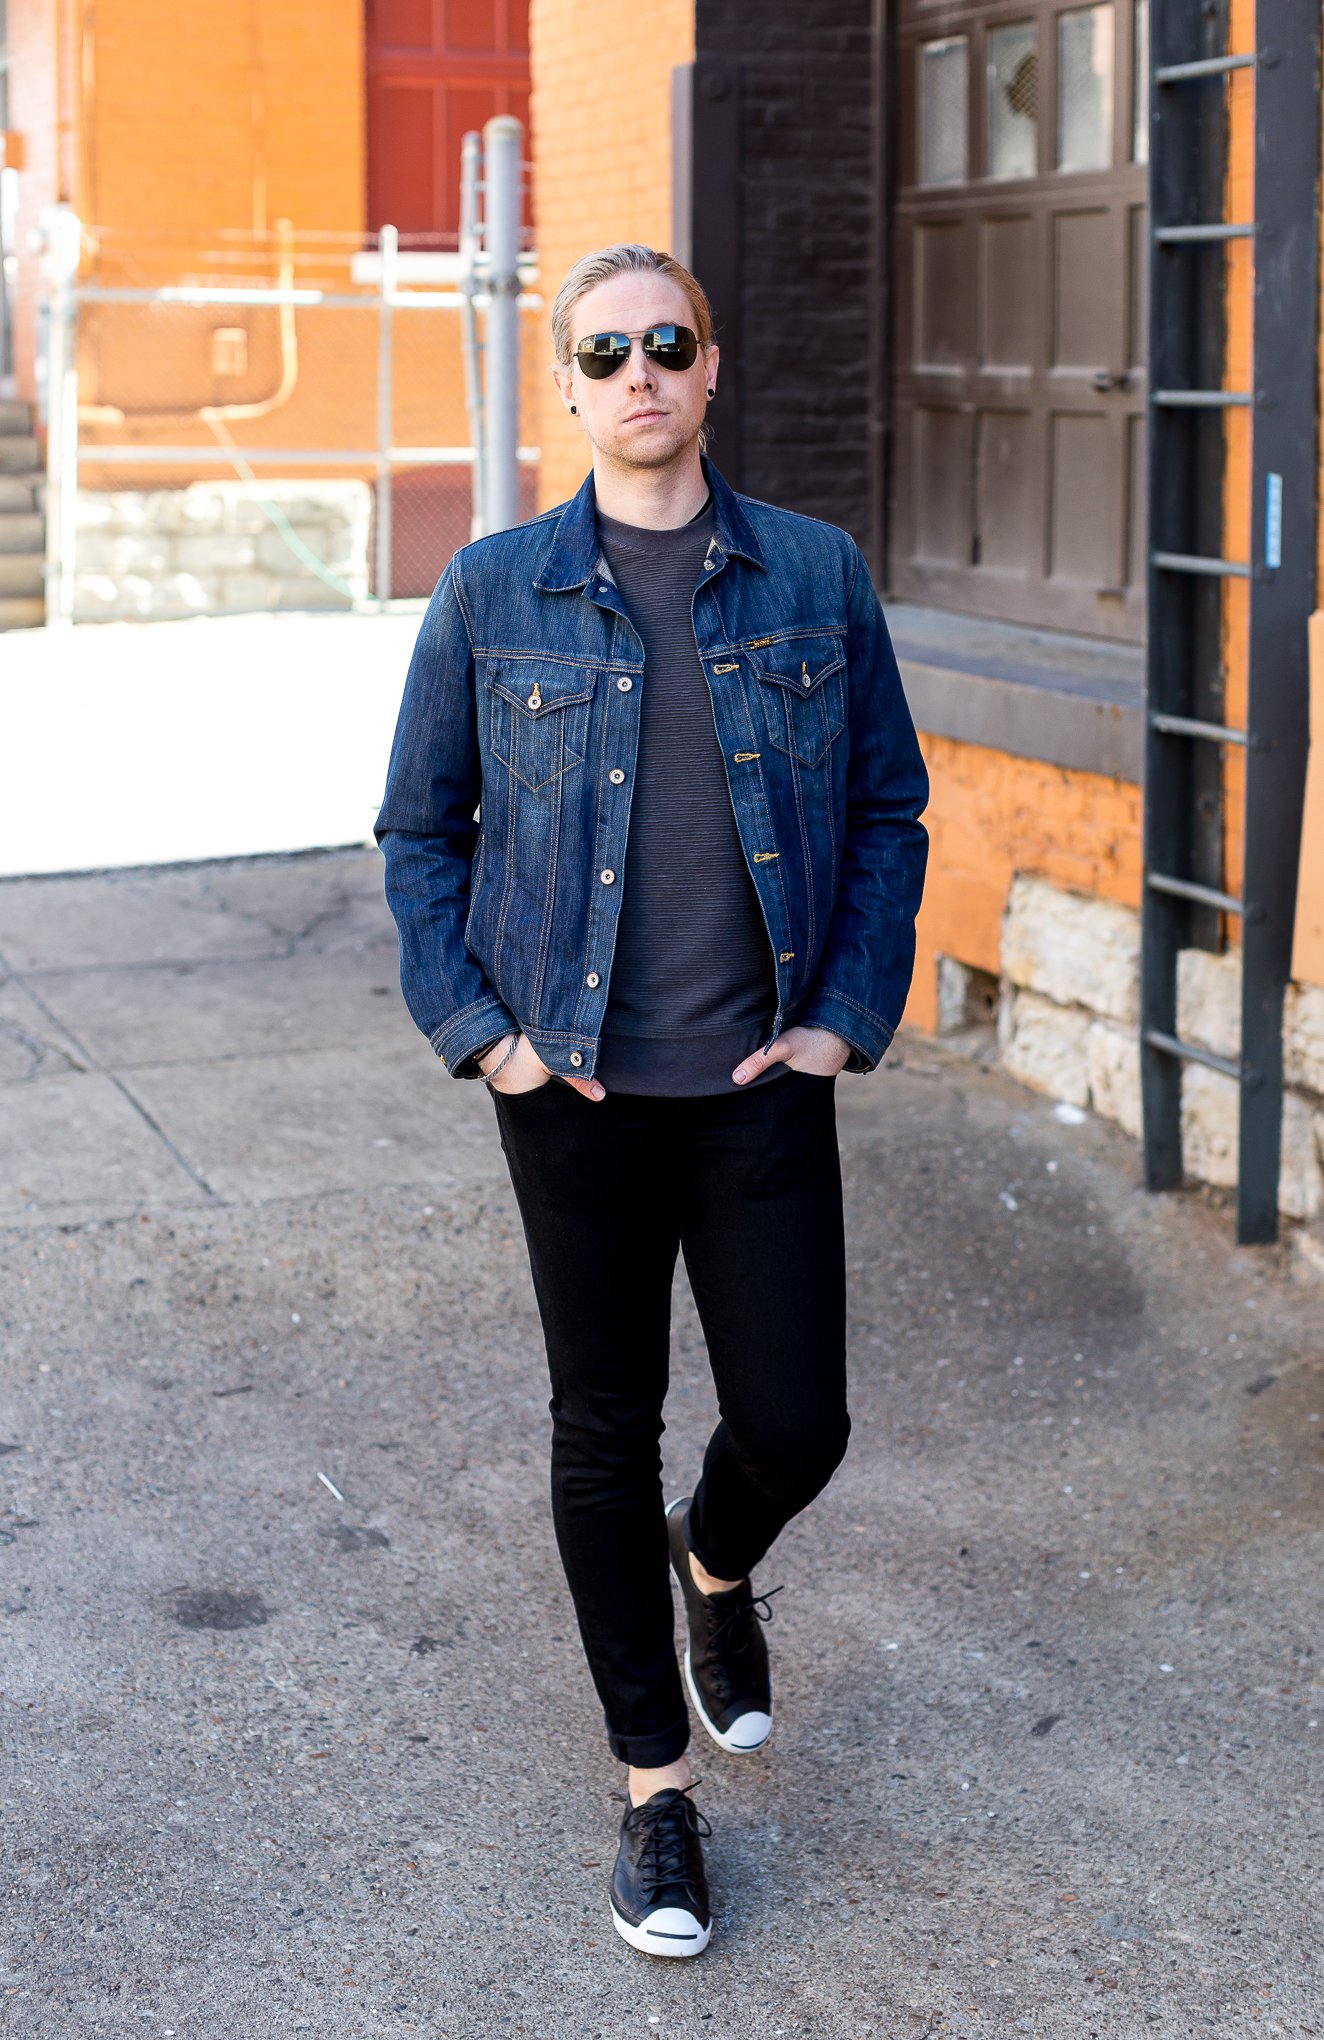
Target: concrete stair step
17,492
21,612
21,532
15,419
18,454
22,573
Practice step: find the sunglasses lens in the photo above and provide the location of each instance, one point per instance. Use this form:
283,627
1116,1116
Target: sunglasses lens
672,347
602,354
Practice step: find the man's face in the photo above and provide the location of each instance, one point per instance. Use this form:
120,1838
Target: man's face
642,416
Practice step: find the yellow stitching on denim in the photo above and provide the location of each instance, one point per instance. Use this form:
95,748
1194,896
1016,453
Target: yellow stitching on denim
743,757
765,856
731,666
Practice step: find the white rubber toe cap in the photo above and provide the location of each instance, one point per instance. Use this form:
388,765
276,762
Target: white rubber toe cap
668,1931
747,1732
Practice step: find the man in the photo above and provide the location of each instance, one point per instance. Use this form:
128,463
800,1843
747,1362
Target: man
688,905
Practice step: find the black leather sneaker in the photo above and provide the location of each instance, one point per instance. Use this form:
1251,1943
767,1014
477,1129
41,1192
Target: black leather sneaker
659,1893
726,1658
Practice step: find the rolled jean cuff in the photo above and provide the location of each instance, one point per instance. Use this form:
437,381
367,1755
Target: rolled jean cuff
650,1752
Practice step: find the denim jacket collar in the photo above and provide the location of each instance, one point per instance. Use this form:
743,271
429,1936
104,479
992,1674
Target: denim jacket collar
571,560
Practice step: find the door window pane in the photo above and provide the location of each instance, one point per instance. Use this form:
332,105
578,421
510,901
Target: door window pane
1085,88
943,77
1013,98
1140,79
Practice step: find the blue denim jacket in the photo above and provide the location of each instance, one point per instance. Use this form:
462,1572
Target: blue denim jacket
523,695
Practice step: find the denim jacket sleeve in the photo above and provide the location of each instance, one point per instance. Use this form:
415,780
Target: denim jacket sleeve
859,989
427,832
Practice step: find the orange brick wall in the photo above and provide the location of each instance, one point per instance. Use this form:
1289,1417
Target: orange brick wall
601,119
201,116
991,815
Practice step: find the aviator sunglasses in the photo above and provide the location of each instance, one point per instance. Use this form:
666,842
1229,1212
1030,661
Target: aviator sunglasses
601,354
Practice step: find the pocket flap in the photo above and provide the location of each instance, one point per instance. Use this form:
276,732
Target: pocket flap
800,663
539,685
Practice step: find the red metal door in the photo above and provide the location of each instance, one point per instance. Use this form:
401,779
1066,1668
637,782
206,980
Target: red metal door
436,68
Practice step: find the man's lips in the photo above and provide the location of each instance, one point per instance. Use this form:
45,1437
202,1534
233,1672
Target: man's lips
634,417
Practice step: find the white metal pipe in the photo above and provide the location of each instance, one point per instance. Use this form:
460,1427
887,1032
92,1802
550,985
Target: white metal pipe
503,139
286,456
62,418
389,244
470,349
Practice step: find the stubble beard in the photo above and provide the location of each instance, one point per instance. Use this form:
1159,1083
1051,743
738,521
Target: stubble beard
648,453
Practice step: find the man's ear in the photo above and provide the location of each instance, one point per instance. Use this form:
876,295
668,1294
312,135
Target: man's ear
562,378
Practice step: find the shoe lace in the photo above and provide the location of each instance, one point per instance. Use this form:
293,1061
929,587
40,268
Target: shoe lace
732,1632
666,1828
733,1628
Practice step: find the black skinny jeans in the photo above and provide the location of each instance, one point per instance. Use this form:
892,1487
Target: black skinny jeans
747,1185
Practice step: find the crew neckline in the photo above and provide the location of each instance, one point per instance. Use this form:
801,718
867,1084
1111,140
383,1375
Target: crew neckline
645,537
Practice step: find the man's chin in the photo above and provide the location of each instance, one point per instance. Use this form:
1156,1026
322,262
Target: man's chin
651,450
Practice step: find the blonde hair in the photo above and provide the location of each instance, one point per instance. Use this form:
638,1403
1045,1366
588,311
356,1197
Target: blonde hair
624,258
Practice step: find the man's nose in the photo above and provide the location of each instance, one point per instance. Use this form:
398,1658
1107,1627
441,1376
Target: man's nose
641,371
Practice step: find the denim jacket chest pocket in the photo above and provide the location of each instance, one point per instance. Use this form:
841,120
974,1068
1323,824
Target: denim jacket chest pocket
538,716
802,688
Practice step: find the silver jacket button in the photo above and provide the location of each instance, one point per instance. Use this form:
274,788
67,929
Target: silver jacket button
625,683
607,877
617,777
575,1058
593,979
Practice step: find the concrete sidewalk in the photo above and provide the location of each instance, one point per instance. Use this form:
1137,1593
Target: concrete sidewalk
1048,1658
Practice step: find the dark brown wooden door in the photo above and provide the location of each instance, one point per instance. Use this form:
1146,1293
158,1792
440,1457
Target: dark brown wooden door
1018,476
436,68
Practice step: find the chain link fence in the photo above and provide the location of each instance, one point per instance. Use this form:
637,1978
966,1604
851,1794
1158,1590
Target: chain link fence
287,431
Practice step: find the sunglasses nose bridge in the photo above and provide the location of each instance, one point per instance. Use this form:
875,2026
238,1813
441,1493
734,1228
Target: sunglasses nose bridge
638,368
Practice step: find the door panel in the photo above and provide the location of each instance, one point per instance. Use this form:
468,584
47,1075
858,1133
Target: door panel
1018,443
1007,273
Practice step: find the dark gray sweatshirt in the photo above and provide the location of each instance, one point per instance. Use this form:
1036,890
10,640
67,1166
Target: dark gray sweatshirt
693,987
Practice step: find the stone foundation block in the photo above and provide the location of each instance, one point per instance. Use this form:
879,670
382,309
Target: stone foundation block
1210,1141
1076,951
1047,1047
1209,1000
1113,1064
1303,1037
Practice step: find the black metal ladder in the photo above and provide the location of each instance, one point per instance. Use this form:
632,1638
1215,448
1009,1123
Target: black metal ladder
1188,735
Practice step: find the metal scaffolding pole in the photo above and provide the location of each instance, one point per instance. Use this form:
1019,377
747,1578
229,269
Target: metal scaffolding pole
470,173
503,139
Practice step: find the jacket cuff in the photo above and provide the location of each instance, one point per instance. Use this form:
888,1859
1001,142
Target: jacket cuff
867,1034
469,1030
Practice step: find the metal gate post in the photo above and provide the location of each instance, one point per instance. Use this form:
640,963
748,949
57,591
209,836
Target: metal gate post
62,418
389,249
503,153
470,170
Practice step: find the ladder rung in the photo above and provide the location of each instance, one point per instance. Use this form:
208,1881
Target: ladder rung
1202,67
1187,889
1225,231
1191,726
1188,1052
1197,563
1200,400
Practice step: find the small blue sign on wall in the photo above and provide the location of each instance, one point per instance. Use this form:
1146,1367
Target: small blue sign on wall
1273,520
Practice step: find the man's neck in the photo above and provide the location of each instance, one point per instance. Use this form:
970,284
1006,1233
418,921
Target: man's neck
656,499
